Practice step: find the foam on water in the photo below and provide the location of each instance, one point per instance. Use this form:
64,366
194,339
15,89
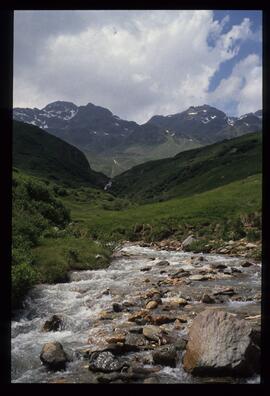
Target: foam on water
80,302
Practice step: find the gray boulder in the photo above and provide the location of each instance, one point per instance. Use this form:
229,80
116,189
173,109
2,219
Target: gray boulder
53,356
221,345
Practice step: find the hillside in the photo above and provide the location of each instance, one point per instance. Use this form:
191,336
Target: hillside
192,171
218,213
113,145
42,154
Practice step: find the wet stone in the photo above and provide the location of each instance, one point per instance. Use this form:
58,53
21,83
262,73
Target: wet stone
117,307
246,264
197,278
136,330
207,299
55,323
105,362
53,356
162,263
145,269
227,291
151,305
219,266
165,356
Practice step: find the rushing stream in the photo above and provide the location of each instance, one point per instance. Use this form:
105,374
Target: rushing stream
82,302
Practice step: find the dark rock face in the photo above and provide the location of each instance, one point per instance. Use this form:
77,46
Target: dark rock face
53,324
105,361
221,345
165,356
53,356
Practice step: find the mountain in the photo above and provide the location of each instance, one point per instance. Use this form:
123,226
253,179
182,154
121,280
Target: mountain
113,145
192,172
42,154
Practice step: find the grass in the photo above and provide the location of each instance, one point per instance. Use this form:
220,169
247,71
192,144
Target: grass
54,257
173,217
192,171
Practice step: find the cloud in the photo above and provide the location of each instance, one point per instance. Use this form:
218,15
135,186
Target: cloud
244,86
136,63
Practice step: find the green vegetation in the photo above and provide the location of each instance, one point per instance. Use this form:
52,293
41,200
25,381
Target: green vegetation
214,213
192,172
42,154
45,245
62,223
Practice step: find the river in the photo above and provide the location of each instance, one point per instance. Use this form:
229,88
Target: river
87,298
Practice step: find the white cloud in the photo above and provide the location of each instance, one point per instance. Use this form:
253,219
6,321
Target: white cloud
244,86
136,63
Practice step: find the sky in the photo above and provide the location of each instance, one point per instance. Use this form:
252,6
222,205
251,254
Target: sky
139,63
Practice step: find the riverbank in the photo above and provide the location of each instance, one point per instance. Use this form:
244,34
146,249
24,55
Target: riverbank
241,248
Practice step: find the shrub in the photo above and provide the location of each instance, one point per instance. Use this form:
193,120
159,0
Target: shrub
253,235
52,269
24,276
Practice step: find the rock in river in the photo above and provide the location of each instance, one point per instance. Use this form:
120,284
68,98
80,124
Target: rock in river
53,356
53,324
197,277
153,333
162,263
166,355
220,344
105,362
151,304
207,299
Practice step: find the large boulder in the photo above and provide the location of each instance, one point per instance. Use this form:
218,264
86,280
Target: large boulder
221,344
53,356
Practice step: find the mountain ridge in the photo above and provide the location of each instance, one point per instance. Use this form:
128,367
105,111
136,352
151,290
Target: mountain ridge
106,139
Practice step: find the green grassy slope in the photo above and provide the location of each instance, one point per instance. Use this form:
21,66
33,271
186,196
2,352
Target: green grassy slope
42,154
46,244
174,217
192,171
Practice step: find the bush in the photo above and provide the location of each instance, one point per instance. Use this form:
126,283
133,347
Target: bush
238,231
24,276
52,269
34,212
253,235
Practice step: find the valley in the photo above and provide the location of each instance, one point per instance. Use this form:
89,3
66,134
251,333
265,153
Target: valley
77,248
